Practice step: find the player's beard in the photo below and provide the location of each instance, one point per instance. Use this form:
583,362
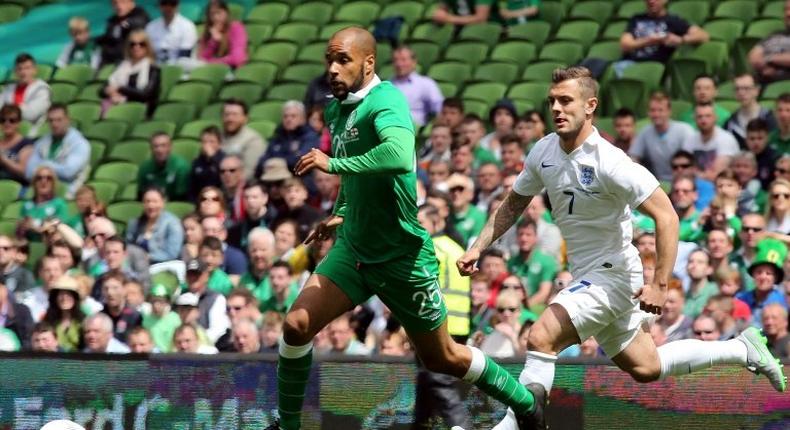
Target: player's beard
359,81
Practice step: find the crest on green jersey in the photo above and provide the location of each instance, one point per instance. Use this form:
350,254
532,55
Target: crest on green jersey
352,118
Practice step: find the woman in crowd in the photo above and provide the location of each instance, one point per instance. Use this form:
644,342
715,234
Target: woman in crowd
88,209
778,215
224,41
44,206
211,202
15,149
503,341
157,231
137,78
64,313
193,235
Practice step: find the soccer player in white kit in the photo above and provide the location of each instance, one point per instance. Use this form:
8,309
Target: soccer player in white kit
592,187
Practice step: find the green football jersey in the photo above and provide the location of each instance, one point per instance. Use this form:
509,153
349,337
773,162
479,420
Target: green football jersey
378,196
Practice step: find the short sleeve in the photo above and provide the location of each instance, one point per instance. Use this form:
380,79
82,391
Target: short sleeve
677,25
528,182
391,110
630,181
728,146
631,24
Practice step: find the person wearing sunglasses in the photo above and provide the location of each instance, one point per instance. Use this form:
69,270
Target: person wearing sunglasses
501,339
44,206
778,215
137,78
15,149
31,94
164,169
173,36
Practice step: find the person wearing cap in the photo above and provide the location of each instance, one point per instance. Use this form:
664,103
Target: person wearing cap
767,271
211,305
172,35
162,322
15,317
503,117
212,255
467,219
292,138
65,314
186,306
123,316
258,213
238,138
295,195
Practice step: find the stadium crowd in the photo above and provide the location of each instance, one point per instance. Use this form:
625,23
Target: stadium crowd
221,278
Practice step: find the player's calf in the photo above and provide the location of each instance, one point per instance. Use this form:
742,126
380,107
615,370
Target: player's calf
453,359
645,373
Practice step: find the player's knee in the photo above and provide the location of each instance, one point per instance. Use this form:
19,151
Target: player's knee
296,329
645,374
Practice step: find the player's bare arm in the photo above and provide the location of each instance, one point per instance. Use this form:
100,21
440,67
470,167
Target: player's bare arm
503,218
658,206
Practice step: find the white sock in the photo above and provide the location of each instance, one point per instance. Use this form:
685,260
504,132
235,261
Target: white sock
477,366
682,357
538,368
288,351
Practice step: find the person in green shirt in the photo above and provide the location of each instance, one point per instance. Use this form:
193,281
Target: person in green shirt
473,129
210,253
779,138
519,11
162,322
465,12
260,248
535,269
684,197
164,170
283,291
701,288
44,205
467,219
705,92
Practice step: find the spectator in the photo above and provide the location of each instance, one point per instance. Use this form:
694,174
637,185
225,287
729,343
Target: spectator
656,143
423,95
127,18
705,328
744,169
782,168
625,129
260,248
520,11
242,305
15,149
43,338
14,276
700,288
675,324
645,242
767,272
292,139
63,149
113,253
64,313
212,256
512,155
318,93
722,212
238,138
438,146
43,207
162,322
135,297
67,256
186,306
466,12
156,231
137,78
283,291
211,202
535,269
205,168
721,308
295,196
746,92
752,228
775,329
648,266
82,49
173,36
705,92
98,330
461,157
503,117
769,58
779,138
15,317
315,119
164,169
328,187
287,241
654,36
757,143
88,208
342,338
712,146
720,244
502,341
245,337
234,262
275,173
31,94
474,130
210,304
123,316
489,185
140,341
535,126
224,41
778,214
395,344
467,219
193,236
271,331
257,214
685,164
185,340
231,174
452,114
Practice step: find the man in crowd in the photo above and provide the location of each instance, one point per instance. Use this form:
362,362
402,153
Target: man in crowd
172,35
712,146
342,338
211,305
204,171
704,328
767,272
422,93
770,58
14,276
242,305
127,18
283,290
234,262
489,185
292,138
240,139
452,114
461,157
260,248
752,228
512,155
439,149
757,132
43,338
746,92
124,317
185,340
245,337
15,317
466,218
675,324
257,213
231,175
31,94
536,269
685,164
721,308
140,342
779,138
625,128
295,195
97,331
775,329
473,129
164,170
705,92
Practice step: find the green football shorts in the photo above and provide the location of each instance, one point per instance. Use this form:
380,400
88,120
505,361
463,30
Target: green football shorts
408,285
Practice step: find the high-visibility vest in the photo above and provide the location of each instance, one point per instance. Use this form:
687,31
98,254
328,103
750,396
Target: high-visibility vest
455,288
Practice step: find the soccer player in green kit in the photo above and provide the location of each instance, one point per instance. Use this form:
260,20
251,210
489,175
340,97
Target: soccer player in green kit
381,248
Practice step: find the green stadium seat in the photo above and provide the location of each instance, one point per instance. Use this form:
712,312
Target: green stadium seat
614,30
582,32
134,152
361,12
472,53
213,111
108,132
505,73
257,34
90,93
119,172
296,32
124,211
566,51
247,92
517,52
429,31
269,13
84,112
627,93
551,12
448,89
279,53
725,30
330,29
383,53
9,191
477,107
178,113
774,9
745,10
312,53
487,92
649,72
285,92
775,89
197,93
257,73
10,12
682,72
180,209
541,71
523,105
536,32
426,52
267,111
740,54
607,50
535,92
212,74
303,73
77,74
764,27
128,193
169,77
598,11
631,8
8,228
680,107
411,11
105,190
36,250
145,130
97,152
726,91
130,112
487,32
11,211
188,149
693,11
44,71
315,12
264,128
193,129
63,92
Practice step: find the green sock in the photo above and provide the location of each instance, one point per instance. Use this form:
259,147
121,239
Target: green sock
499,384
292,375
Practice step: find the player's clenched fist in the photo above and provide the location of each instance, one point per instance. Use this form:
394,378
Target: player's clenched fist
467,264
651,298
315,159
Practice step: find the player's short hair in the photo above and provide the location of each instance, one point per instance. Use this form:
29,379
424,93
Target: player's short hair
282,264
43,327
660,96
783,98
453,103
236,102
727,274
624,113
757,124
510,139
588,84
726,174
706,76
211,243
527,222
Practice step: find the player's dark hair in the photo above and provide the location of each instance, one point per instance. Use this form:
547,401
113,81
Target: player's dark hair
624,113
757,124
284,264
706,76
687,155
453,103
236,102
783,98
527,222
211,243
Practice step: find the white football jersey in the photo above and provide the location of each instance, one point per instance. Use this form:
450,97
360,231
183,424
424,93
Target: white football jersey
591,191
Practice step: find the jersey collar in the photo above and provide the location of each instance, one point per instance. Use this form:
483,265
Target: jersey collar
357,97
